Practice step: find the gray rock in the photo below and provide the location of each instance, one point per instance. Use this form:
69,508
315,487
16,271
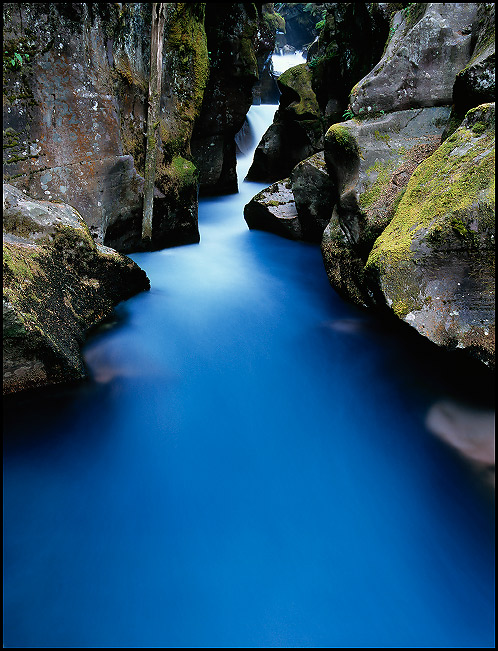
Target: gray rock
58,283
370,162
430,45
274,210
314,196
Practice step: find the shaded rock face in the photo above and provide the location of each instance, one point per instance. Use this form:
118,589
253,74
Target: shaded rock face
298,207
300,23
349,45
75,112
434,263
240,42
412,225
58,283
370,163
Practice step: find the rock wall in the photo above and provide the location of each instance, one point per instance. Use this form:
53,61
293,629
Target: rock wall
75,93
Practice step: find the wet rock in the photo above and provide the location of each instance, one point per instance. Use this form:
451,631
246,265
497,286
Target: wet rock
274,210
370,163
58,283
75,110
238,49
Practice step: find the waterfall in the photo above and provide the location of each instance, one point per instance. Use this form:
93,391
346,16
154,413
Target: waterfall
258,118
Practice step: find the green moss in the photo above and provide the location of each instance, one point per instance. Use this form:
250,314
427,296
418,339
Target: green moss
454,181
274,21
402,307
478,128
341,135
384,137
299,79
18,266
372,194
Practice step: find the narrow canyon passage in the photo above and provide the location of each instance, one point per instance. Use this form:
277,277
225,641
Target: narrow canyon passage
248,466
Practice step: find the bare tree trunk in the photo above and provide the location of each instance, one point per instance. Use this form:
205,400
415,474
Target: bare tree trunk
156,65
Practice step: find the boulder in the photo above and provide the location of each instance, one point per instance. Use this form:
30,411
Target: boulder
369,162
475,83
434,263
58,283
430,43
274,210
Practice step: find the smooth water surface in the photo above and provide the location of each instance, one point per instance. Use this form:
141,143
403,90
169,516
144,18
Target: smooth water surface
247,467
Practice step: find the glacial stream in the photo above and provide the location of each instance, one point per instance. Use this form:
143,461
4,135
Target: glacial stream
248,466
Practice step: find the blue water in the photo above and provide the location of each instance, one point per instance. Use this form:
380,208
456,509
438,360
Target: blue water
247,467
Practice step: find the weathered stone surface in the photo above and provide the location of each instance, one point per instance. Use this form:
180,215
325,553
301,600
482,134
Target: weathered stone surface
430,44
350,43
58,283
434,263
315,95
313,193
475,83
75,110
274,210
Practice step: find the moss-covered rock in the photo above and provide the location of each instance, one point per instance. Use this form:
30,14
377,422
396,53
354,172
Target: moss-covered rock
239,45
434,263
58,283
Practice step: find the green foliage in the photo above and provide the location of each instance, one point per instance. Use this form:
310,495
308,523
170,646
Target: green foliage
348,114
17,60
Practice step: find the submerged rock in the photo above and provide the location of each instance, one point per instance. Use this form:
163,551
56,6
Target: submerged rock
58,283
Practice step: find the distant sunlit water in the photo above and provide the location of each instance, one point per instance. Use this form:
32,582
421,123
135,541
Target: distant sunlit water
248,467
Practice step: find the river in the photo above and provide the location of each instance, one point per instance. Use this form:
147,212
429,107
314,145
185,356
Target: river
248,466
